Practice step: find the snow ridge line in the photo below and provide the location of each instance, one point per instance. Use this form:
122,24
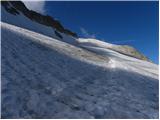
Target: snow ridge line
60,46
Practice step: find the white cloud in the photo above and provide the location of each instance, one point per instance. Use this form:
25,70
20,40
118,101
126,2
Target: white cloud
85,33
38,6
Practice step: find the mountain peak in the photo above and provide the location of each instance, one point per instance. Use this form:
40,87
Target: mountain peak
14,7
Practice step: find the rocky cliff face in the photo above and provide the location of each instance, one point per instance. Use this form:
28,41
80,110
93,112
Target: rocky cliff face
14,7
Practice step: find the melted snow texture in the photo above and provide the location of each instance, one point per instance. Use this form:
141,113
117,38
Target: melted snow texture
46,78
119,60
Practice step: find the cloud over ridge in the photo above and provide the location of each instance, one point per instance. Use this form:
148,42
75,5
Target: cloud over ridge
85,33
38,6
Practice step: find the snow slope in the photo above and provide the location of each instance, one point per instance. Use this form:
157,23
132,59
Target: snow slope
43,77
120,60
22,21
123,49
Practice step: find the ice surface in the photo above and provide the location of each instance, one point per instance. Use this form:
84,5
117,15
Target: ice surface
43,77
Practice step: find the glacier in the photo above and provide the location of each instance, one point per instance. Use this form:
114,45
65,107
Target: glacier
43,76
46,78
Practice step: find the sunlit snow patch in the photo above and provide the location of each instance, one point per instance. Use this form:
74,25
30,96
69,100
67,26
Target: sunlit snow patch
112,64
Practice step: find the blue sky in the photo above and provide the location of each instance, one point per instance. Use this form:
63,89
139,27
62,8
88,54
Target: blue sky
132,23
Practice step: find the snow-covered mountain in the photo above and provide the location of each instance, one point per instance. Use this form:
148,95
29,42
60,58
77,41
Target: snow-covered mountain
48,76
123,49
15,13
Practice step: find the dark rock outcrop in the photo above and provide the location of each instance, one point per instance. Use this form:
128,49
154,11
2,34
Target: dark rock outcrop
58,34
14,7
8,8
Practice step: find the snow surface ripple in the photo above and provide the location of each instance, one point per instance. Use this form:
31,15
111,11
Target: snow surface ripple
46,78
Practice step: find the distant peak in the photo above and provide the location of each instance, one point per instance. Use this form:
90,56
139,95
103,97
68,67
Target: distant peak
14,7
